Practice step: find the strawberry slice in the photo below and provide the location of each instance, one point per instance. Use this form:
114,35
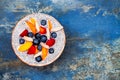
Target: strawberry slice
42,30
32,50
50,42
24,33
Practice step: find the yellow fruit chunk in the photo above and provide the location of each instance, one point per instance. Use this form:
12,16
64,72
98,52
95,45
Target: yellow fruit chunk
31,26
32,20
25,46
49,25
44,53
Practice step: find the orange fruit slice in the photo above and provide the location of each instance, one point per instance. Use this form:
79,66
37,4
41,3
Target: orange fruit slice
33,21
42,30
49,25
44,53
31,26
25,46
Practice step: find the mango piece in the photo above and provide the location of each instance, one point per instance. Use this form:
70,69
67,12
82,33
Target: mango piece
42,30
31,26
49,25
32,20
25,46
44,53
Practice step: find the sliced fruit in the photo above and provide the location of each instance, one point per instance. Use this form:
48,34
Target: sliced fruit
37,26
44,45
49,25
25,46
44,53
36,50
27,38
56,29
42,30
50,42
33,21
48,33
32,50
31,26
38,54
24,33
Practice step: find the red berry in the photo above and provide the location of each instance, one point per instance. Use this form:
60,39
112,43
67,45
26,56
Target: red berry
32,50
42,30
50,42
24,33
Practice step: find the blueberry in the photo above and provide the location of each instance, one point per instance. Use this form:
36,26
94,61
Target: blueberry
43,22
30,34
43,38
21,41
53,34
51,50
37,36
39,47
36,41
38,58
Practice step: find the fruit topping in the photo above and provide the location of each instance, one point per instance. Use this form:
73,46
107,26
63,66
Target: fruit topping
50,42
39,47
32,50
36,41
39,40
38,54
43,38
38,58
56,29
43,22
27,38
42,30
30,34
21,41
31,26
48,33
36,50
24,33
25,46
37,36
44,53
37,27
33,21
49,25
44,45
51,50
53,34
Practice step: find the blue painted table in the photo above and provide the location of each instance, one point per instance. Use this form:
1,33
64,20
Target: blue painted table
92,30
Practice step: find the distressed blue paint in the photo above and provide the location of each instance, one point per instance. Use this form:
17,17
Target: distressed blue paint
99,28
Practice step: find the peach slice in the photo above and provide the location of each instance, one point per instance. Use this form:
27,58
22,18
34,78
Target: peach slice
31,26
33,21
25,46
44,53
42,30
49,25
